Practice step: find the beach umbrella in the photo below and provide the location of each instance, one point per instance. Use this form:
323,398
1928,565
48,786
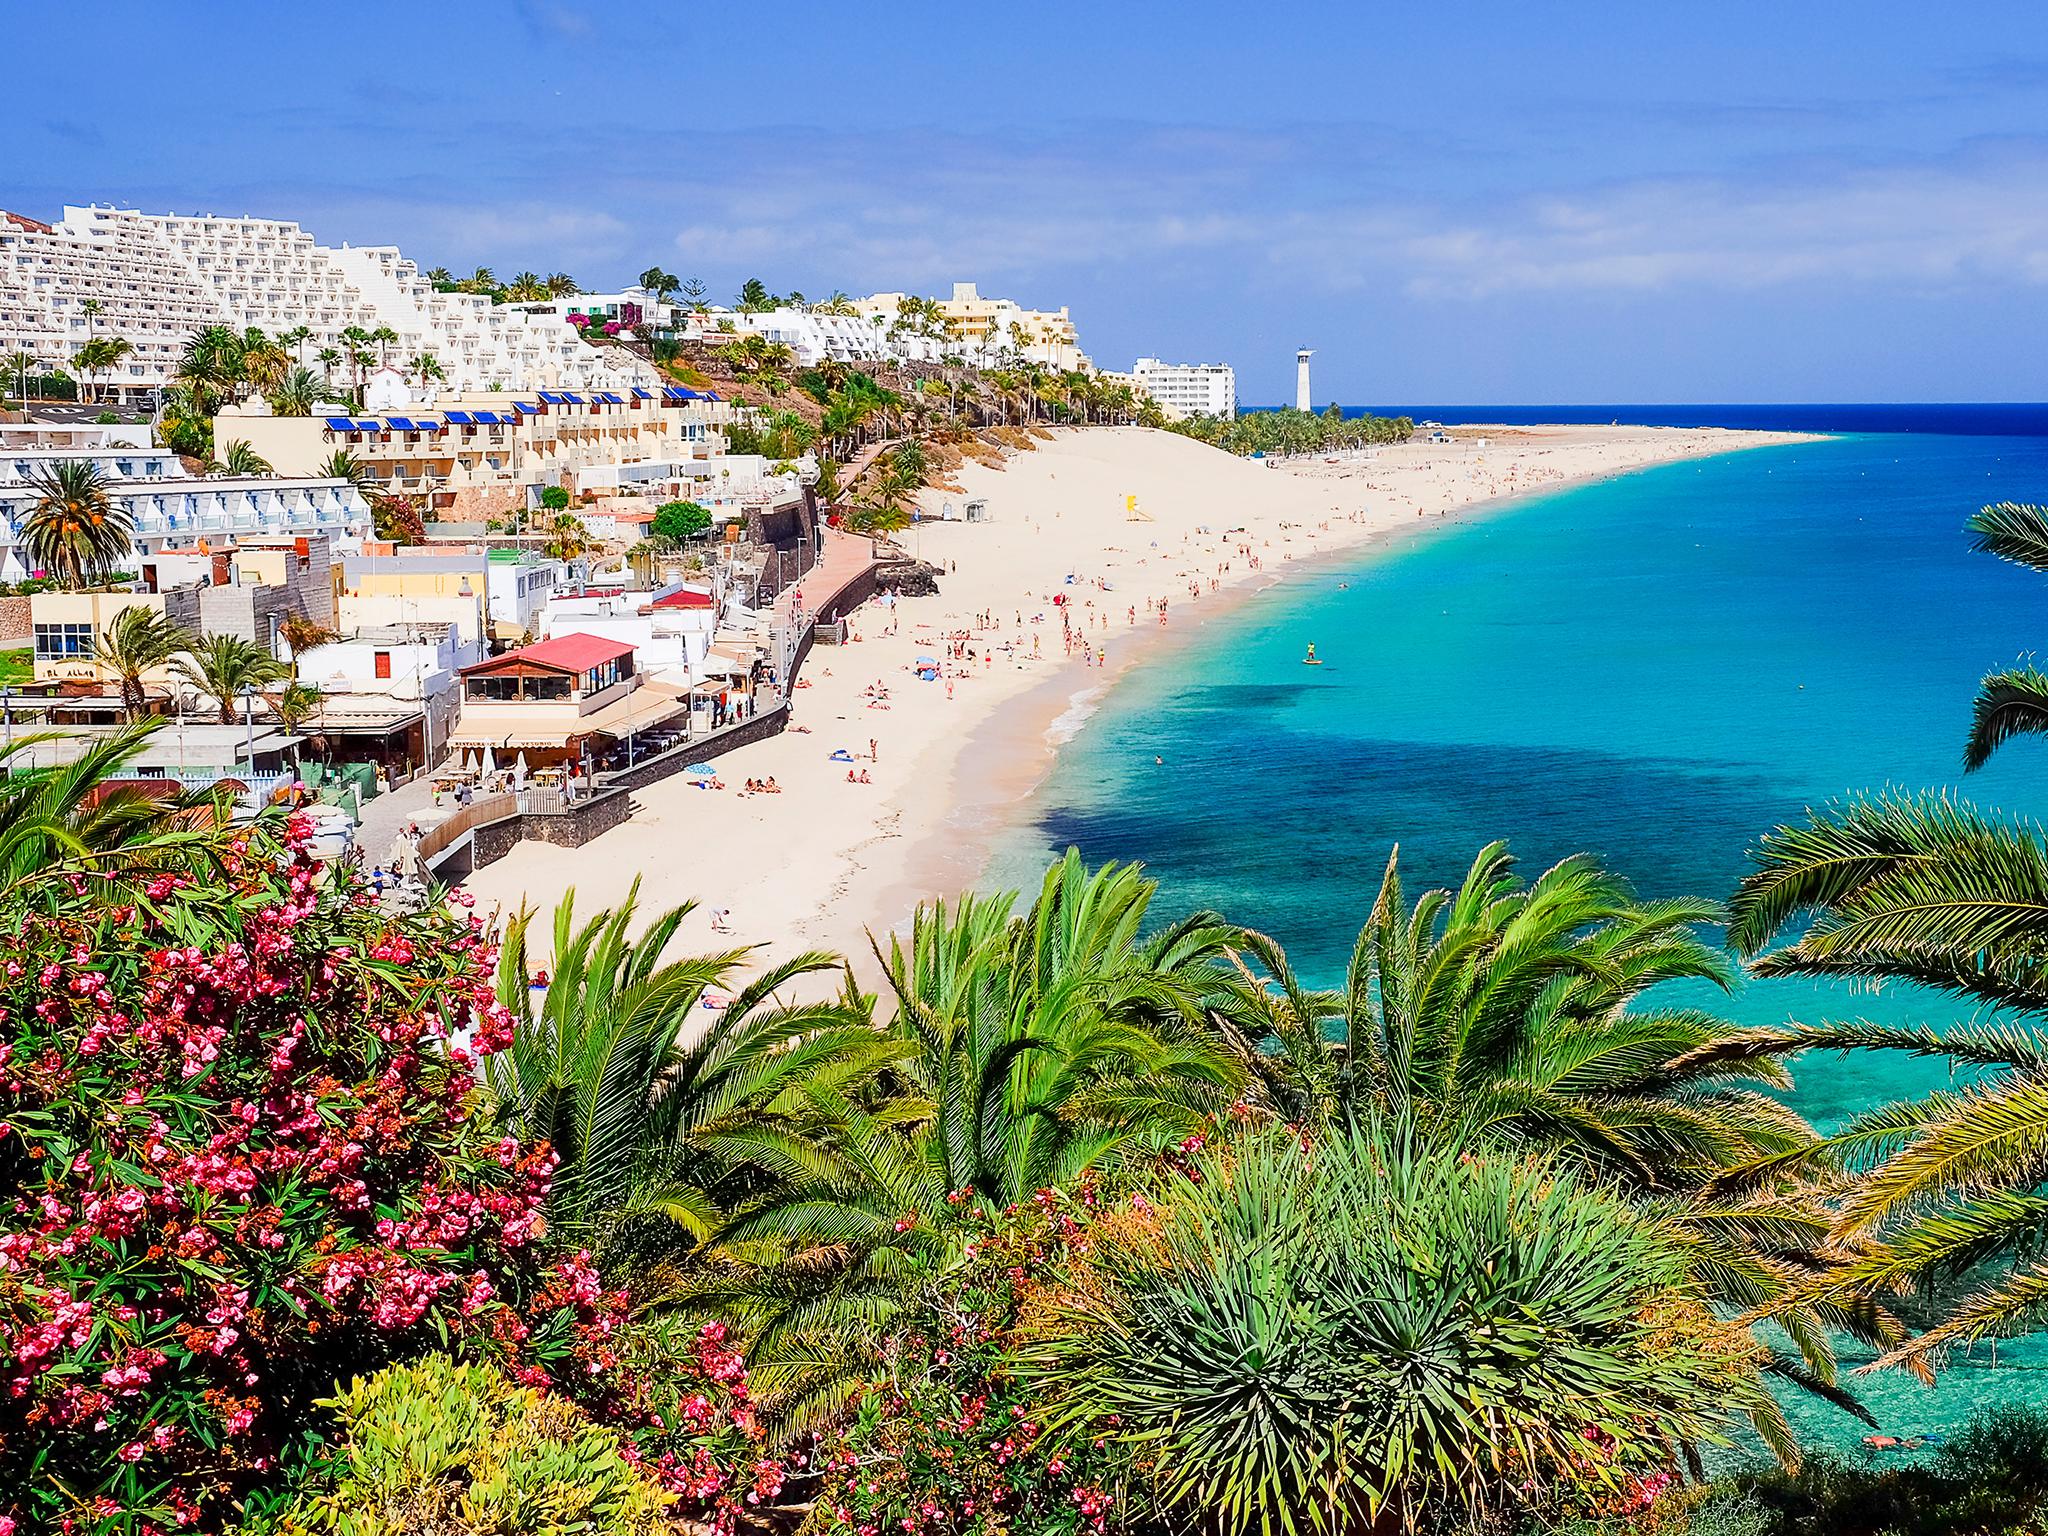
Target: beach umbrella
490,764
927,661
519,772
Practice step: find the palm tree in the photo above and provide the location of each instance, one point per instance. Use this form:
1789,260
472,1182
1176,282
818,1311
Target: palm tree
357,352
1513,1015
568,539
101,355
296,338
264,361
238,458
70,810
2013,702
1948,1188
21,365
482,280
663,285
382,337
75,529
560,285
303,633
526,288
300,392
425,366
1514,1011
1031,1047
139,641
222,666
295,704
661,1113
211,367
343,465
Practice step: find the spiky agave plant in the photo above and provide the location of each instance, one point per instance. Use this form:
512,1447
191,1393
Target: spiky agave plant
1514,1014
1371,1332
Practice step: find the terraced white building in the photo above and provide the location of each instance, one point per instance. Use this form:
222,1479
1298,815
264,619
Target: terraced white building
160,277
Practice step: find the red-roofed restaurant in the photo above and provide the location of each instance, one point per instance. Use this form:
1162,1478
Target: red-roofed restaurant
548,700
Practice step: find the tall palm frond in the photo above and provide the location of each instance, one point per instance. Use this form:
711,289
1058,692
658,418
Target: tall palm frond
659,1100
1929,890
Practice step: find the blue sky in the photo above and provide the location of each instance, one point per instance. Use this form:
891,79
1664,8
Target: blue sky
1550,202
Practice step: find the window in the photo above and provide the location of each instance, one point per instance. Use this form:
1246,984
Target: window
63,642
383,663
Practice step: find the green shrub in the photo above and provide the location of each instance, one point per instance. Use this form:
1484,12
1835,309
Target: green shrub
555,498
442,1449
680,520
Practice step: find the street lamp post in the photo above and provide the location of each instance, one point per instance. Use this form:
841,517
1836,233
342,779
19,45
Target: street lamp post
249,723
7,713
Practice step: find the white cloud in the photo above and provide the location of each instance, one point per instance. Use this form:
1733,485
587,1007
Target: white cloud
1977,217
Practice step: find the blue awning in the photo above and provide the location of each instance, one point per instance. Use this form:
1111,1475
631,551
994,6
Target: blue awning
340,424
483,418
427,426
641,394
461,419
401,423
709,394
572,399
613,399
369,426
552,398
525,408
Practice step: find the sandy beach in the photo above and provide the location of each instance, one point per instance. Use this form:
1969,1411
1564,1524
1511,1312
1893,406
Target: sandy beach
940,766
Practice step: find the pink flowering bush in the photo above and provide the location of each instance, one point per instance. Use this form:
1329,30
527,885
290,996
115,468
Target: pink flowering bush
240,1165
953,1438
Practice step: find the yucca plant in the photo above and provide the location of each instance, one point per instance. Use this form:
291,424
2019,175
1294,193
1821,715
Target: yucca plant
1374,1333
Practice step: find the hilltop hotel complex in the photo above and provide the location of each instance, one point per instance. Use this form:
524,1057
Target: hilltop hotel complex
490,632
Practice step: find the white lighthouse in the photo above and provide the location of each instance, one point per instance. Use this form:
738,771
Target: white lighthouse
1303,401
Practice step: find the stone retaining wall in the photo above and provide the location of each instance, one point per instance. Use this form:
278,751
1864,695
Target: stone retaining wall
604,810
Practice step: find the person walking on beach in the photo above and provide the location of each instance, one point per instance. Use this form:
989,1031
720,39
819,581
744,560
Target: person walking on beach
874,752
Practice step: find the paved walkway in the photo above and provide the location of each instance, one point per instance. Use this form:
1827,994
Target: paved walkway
388,815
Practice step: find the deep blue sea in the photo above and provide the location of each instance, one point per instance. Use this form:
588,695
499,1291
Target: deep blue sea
1655,669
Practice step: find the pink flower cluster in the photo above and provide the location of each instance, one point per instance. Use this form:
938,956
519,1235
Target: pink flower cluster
241,1156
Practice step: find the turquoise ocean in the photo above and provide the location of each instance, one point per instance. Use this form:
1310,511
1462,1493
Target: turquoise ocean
1654,669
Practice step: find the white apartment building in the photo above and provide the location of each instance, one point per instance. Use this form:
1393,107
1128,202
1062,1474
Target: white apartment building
157,278
169,506
1189,389
814,337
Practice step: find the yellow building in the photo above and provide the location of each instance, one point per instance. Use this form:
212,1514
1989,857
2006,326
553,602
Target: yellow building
986,327
472,456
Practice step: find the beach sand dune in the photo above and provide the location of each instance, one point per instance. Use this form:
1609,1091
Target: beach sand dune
1053,595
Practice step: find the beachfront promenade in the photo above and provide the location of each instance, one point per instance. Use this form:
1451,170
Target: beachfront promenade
839,582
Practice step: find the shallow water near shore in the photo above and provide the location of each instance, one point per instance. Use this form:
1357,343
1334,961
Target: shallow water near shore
1655,669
